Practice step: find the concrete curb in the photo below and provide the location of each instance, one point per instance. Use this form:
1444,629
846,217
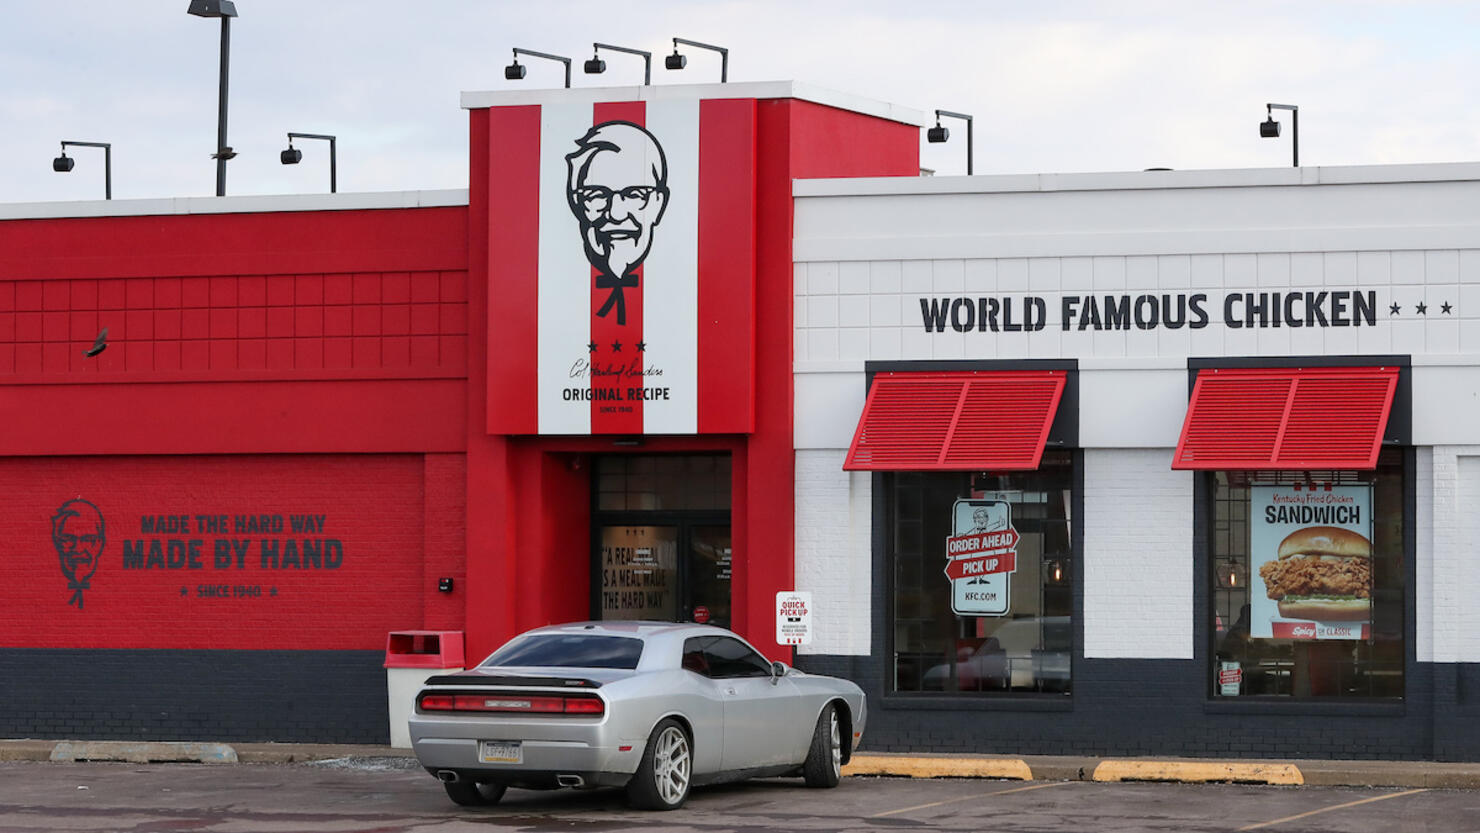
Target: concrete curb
143,753
939,767
1199,772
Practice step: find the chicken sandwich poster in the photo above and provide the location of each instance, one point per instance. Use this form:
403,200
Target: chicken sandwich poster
1311,551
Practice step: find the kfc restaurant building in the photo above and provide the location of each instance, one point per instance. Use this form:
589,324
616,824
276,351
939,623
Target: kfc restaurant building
1145,463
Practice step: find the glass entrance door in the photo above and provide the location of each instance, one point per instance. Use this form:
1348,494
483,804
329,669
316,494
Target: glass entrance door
677,572
661,538
639,572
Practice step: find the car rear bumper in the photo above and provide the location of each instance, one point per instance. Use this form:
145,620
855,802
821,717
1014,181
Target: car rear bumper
590,750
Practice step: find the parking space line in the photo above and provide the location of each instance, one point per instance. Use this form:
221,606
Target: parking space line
1329,809
968,798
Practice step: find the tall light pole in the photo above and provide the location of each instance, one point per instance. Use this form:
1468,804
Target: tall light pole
226,10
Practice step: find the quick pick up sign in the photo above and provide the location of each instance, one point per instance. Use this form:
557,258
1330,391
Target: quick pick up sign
981,557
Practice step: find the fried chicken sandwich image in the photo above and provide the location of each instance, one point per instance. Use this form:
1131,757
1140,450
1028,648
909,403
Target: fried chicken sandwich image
1323,573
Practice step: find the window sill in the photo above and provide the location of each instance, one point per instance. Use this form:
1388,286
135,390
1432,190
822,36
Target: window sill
1025,702
1285,707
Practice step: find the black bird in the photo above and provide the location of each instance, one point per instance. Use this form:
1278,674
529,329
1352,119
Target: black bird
99,344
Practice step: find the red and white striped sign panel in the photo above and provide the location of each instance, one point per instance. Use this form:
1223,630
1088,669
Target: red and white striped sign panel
629,228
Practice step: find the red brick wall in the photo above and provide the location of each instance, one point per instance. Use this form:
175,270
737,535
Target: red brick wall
374,506
376,321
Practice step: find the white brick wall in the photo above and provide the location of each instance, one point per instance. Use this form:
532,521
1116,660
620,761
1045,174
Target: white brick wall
1448,558
837,322
1138,585
834,558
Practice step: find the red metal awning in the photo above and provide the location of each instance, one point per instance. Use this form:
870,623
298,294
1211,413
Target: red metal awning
957,421
1286,418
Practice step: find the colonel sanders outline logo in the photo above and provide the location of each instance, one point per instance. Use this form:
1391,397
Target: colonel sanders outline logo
77,533
618,191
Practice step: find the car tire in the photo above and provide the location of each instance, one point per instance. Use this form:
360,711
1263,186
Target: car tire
824,764
471,794
666,771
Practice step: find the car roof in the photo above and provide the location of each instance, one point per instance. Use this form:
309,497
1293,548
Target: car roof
665,639
637,628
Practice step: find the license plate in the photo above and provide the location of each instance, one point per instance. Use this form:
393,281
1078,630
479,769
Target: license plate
501,752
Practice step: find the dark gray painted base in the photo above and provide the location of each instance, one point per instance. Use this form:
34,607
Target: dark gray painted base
1159,707
291,696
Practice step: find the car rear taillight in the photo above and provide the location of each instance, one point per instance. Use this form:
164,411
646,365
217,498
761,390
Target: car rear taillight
513,703
584,705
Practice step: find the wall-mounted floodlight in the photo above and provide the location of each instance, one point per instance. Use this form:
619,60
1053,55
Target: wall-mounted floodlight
515,71
679,61
596,66
62,164
226,10
938,134
1270,129
292,156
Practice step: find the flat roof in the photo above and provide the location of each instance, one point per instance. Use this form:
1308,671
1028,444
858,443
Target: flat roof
659,92
233,205
1140,180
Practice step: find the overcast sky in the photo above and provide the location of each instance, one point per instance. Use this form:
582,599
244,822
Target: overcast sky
1110,85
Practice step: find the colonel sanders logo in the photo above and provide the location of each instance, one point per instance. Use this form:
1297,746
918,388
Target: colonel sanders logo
618,189
77,534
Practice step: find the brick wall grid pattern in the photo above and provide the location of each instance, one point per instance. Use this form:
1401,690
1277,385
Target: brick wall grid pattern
854,311
833,546
1138,584
379,321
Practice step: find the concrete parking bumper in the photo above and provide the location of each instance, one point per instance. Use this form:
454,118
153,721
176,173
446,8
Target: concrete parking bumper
1430,774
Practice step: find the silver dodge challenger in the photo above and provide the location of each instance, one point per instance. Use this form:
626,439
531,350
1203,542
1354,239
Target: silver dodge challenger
654,707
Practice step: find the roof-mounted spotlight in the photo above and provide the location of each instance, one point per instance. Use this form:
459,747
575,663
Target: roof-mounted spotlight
516,70
679,61
939,134
596,66
292,156
64,163
1270,129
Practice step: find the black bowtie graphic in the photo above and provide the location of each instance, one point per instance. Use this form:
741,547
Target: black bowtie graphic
78,586
617,298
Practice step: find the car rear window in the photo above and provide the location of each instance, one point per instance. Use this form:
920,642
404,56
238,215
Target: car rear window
570,651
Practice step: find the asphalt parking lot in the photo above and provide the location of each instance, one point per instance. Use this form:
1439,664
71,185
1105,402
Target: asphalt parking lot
391,795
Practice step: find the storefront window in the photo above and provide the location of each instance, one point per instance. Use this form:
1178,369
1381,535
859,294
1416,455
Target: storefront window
1308,582
966,617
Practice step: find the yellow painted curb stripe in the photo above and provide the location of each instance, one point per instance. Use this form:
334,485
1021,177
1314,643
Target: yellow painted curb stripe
909,767
1329,809
1194,771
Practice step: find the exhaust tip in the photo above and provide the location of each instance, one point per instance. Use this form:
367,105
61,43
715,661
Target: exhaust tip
447,776
570,780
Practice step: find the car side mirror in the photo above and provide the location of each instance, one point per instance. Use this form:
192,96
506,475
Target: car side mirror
778,670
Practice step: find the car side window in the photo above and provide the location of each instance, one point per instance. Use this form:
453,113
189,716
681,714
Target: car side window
693,656
729,657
